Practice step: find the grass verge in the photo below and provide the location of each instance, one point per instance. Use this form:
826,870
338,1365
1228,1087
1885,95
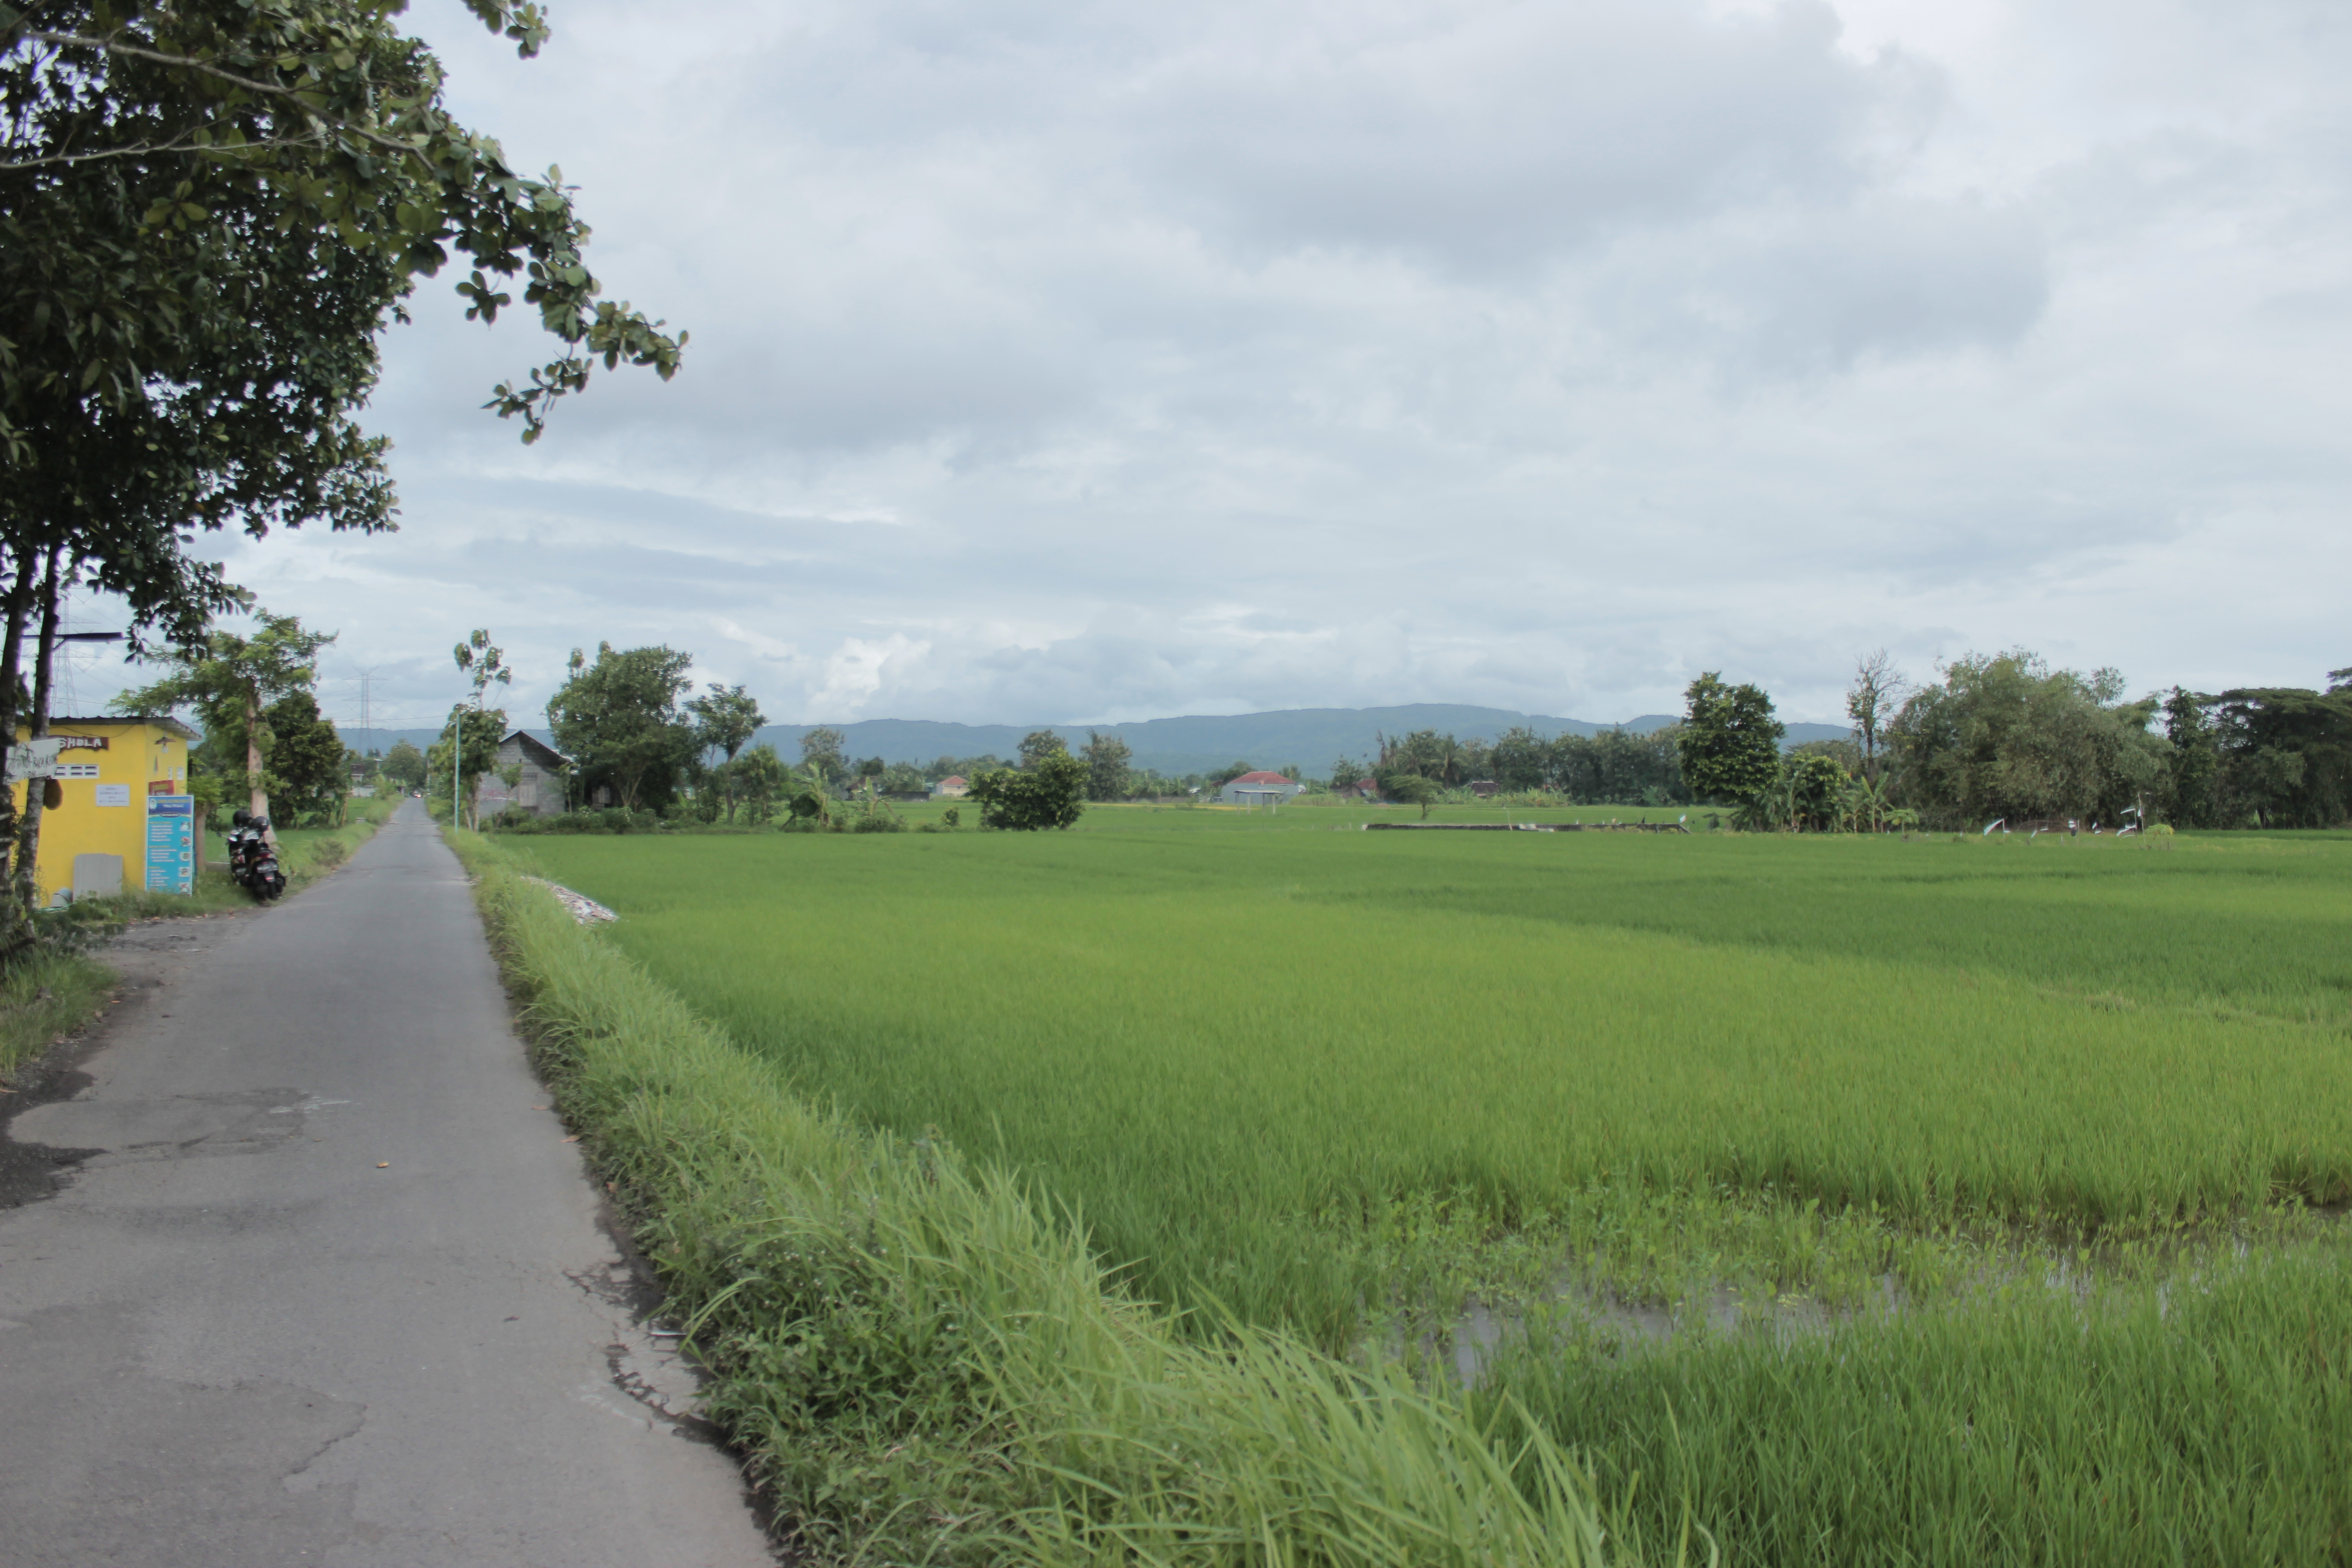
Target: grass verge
43,995
924,1367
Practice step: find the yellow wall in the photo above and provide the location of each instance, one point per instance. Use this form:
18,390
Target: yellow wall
138,754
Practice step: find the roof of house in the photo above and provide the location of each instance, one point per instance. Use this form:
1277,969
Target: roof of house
163,721
1263,777
951,779
532,743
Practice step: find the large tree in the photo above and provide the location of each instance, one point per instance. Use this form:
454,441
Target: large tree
232,682
208,211
1871,702
309,772
619,719
821,753
2195,764
1729,743
2286,754
469,741
1038,745
1107,758
2005,736
725,719
405,765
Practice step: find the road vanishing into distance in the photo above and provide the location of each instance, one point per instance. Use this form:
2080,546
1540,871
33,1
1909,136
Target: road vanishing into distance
328,1286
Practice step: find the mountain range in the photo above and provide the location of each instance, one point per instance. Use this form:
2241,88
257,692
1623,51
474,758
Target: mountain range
1308,738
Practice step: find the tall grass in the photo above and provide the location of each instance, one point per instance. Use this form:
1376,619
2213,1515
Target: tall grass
1243,1055
43,994
926,1365
2207,1419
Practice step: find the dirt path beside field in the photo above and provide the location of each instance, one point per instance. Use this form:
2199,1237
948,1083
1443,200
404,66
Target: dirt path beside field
303,1271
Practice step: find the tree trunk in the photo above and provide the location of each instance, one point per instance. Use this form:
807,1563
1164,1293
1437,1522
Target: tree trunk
28,828
15,915
257,802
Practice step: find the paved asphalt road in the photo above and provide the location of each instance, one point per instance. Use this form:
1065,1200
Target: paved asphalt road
332,1288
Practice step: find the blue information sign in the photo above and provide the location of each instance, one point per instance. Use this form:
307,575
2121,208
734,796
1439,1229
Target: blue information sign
170,843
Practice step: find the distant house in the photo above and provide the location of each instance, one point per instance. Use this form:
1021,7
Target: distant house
1365,788
1260,789
539,787
1482,788
951,787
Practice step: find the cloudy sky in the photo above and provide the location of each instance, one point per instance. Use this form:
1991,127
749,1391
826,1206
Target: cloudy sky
1079,362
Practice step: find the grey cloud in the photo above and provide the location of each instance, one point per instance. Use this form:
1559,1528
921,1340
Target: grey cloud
1494,136
1055,364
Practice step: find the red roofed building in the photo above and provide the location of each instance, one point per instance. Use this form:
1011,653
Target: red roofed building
1259,789
951,787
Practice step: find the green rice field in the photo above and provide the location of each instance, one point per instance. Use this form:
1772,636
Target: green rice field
1878,1199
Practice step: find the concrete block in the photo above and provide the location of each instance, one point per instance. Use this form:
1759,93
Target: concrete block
97,876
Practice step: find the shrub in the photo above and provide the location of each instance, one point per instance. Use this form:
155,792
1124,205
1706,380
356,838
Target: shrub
1050,794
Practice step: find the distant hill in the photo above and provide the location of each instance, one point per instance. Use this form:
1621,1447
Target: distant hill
1310,738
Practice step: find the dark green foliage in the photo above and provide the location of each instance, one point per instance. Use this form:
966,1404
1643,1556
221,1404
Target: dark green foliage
405,765
1107,766
961,767
156,151
2006,736
483,729
618,719
208,211
2286,755
231,682
1049,793
821,750
1618,767
725,719
2195,764
1816,791
1521,759
308,773
756,781
903,778
1430,755
1039,744
1730,743
1615,767
1228,774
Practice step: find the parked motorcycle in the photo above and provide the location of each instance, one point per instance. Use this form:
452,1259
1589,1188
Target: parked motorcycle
252,858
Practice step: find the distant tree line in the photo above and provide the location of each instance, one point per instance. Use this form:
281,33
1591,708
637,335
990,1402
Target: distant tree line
2004,737
1995,737
1615,766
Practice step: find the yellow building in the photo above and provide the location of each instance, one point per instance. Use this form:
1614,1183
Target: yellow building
122,792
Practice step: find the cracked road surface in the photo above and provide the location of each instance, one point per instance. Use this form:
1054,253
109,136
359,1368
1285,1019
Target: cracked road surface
327,1286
